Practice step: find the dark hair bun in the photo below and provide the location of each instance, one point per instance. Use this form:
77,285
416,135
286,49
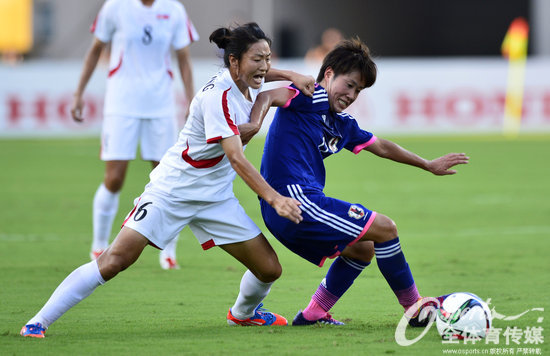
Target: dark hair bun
220,37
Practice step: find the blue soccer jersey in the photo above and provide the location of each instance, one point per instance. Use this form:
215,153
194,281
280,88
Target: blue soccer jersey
303,133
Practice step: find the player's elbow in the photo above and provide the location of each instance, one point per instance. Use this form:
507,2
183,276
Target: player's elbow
238,163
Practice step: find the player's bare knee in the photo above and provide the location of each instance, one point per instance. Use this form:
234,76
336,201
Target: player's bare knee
110,265
113,183
361,251
387,228
270,273
367,251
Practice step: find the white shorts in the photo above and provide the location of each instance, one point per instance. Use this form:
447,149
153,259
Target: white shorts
120,137
160,219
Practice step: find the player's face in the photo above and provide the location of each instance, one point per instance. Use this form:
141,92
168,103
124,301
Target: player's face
253,66
342,89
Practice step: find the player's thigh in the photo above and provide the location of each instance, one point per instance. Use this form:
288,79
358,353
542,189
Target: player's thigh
227,225
156,137
222,222
119,138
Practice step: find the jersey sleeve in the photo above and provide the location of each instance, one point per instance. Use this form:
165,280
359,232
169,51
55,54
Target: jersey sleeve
218,120
357,138
185,32
301,102
104,25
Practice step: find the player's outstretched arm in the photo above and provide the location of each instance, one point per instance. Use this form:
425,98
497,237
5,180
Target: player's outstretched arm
305,83
265,100
90,62
439,166
285,207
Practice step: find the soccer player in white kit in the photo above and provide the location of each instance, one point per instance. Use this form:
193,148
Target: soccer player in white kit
139,100
193,186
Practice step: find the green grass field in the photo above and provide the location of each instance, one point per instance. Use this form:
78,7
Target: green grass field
485,230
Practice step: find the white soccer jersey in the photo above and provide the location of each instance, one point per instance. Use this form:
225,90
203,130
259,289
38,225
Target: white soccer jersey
196,168
139,82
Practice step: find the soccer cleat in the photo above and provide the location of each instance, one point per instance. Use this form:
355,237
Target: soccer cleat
261,317
94,254
423,311
168,263
300,320
33,330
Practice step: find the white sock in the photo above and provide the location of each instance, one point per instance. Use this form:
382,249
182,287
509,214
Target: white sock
104,212
170,249
77,286
251,294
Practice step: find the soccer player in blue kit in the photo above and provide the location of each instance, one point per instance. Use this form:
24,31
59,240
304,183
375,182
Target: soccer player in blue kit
305,131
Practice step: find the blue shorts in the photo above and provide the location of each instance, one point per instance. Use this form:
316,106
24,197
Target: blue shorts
329,224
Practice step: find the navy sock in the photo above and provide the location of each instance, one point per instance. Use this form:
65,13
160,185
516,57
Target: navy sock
342,273
395,269
340,276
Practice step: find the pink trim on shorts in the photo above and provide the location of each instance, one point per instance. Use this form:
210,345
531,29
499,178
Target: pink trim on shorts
296,92
360,147
208,245
331,257
367,226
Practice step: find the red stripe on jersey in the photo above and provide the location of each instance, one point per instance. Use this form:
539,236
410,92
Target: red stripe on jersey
203,163
208,244
214,139
190,30
170,74
115,69
230,122
163,17
94,24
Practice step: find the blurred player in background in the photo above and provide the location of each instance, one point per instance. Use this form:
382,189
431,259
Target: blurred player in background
139,102
304,132
329,39
193,185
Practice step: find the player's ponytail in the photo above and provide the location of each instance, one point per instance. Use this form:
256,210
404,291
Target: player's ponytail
236,41
220,37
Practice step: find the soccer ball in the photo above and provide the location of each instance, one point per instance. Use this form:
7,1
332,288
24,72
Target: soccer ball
463,315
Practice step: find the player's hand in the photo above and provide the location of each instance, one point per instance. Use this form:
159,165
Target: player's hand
305,83
441,166
76,108
288,208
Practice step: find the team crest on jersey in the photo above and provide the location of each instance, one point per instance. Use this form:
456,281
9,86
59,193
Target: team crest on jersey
330,146
356,212
333,144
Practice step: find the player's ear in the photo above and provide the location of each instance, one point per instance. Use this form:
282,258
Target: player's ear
233,63
329,73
